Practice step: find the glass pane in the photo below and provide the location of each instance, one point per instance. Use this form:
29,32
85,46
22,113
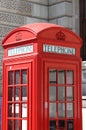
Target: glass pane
61,93
10,124
61,110
69,77
10,110
24,110
17,110
70,125
52,76
10,94
53,125
52,94
61,77
17,74
84,89
17,125
61,123
24,76
10,78
17,93
83,76
24,124
52,110
69,93
70,110
24,93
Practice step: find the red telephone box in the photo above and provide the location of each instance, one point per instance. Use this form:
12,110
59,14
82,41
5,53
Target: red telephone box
42,79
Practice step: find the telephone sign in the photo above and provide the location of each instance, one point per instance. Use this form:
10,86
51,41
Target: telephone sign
58,49
20,50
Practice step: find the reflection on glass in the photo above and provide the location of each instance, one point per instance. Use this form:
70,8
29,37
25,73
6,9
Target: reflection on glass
24,93
52,76
61,110
10,78
10,124
17,74
53,125
17,125
61,77
24,125
17,93
52,94
24,76
69,93
69,77
24,110
61,93
10,110
70,110
10,94
17,110
52,110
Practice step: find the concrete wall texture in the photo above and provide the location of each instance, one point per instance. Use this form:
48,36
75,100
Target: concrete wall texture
14,13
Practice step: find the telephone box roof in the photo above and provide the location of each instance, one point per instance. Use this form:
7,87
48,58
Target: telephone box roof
40,30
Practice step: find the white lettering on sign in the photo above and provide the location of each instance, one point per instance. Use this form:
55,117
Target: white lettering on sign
59,49
20,50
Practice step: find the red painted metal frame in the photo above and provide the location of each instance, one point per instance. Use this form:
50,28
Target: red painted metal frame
77,93
39,63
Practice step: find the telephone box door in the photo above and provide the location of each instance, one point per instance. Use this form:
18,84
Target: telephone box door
61,100
18,97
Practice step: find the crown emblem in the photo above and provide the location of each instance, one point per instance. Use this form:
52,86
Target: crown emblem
60,36
18,36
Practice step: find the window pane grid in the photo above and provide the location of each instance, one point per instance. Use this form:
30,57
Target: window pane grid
17,99
61,92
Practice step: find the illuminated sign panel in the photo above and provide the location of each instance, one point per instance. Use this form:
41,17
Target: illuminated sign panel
20,50
59,49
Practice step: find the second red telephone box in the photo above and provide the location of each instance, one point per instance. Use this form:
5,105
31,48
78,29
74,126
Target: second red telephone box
42,79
